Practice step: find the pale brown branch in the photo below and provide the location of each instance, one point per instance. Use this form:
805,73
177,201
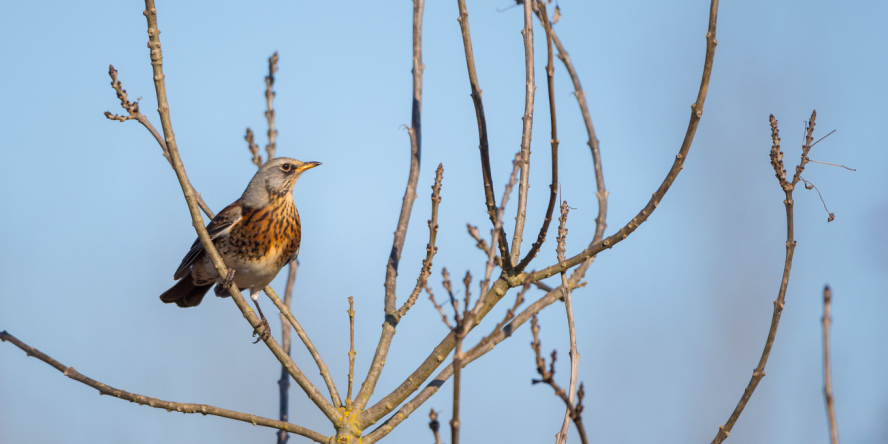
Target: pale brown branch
391,272
431,249
161,404
497,231
482,244
788,187
548,377
269,99
644,214
351,350
437,306
527,125
831,164
254,150
132,108
601,192
561,437
827,372
553,187
198,224
284,382
489,198
287,314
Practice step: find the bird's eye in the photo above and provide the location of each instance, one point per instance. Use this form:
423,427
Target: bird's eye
286,167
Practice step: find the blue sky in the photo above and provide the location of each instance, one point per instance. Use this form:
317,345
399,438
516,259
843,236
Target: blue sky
672,320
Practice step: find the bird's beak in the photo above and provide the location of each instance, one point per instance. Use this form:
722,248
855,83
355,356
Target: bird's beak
309,165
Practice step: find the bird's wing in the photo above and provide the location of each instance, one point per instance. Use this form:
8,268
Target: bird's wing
218,227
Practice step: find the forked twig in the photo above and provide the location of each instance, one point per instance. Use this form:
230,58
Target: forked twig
548,376
788,186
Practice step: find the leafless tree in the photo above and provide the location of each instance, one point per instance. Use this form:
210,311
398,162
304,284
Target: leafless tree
353,417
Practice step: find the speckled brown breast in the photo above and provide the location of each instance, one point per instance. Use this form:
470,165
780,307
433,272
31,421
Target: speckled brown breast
273,230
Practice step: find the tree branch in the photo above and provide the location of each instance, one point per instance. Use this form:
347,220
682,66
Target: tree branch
431,249
644,214
561,437
391,272
160,404
827,372
490,199
269,99
780,172
284,382
526,128
553,188
134,114
198,224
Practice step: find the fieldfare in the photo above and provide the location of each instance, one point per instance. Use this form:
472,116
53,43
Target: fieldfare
256,236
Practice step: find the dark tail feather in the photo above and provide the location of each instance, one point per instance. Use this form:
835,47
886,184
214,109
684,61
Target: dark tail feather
185,293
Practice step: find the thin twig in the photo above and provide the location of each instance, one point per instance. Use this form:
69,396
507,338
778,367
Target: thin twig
198,224
527,125
824,137
482,244
490,199
810,185
435,425
431,249
391,273
548,376
601,192
831,164
561,437
269,99
438,307
134,114
254,150
284,382
553,187
351,350
788,186
827,373
160,404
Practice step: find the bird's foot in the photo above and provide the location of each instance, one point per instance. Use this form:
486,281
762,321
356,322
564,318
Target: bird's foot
262,330
229,280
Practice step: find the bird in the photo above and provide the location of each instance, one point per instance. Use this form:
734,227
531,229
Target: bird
256,236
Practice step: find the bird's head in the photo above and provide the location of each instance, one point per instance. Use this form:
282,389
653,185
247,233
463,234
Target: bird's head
276,177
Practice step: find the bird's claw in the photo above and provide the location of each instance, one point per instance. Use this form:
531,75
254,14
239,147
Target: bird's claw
265,331
229,279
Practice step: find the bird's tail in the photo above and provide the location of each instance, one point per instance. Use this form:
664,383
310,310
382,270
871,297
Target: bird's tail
185,293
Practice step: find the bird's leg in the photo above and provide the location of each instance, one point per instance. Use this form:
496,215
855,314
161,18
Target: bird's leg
265,333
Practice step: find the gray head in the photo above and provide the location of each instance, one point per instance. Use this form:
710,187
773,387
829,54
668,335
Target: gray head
275,178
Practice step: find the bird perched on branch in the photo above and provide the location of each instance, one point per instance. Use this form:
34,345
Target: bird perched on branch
256,236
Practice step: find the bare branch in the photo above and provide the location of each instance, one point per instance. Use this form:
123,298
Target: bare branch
644,214
287,314
160,404
351,350
808,186
284,382
489,198
561,437
527,126
391,273
254,150
134,114
438,307
198,224
788,187
497,231
831,164
269,99
548,377
431,249
553,187
827,373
